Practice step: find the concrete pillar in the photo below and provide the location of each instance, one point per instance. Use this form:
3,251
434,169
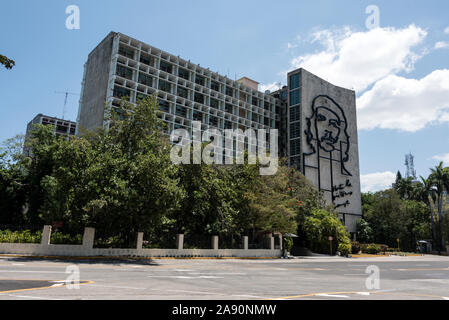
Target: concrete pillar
271,242
280,242
245,242
180,241
88,237
46,235
139,240
215,242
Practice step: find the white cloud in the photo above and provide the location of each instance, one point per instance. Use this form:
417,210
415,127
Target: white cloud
377,181
446,30
441,45
443,157
271,86
405,104
358,59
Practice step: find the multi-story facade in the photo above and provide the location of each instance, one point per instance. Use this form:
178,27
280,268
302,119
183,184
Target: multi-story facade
61,127
121,66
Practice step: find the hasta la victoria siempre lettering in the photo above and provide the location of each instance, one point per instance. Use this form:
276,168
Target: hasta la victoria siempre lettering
184,310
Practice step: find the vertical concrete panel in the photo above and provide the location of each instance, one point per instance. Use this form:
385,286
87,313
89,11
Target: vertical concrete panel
139,240
215,242
46,235
271,242
180,241
245,243
88,237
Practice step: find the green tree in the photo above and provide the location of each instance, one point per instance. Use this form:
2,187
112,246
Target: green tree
7,63
440,180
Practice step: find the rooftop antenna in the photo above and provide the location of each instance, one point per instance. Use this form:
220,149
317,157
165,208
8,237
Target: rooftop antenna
410,165
66,93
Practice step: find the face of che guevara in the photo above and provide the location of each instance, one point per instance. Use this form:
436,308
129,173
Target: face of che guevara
328,126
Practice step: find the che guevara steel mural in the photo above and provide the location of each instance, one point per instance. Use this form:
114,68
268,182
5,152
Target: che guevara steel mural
327,136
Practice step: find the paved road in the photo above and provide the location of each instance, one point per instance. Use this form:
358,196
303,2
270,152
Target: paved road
319,278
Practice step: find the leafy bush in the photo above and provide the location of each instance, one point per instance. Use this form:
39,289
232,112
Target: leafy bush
356,247
319,226
344,248
288,244
8,236
371,249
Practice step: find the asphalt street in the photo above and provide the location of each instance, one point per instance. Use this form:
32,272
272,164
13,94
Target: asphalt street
421,278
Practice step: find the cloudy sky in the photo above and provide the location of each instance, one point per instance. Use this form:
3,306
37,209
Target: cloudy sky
400,70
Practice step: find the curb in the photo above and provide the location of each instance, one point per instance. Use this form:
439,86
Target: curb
132,258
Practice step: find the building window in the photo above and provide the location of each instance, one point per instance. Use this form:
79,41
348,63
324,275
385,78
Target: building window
255,101
181,111
228,108
120,92
254,117
200,80
229,91
215,86
228,125
164,86
266,106
183,73
295,147
213,121
266,121
167,67
197,116
127,52
141,96
182,92
214,103
145,79
242,113
145,59
124,72
294,81
294,130
294,97
295,114
164,106
199,98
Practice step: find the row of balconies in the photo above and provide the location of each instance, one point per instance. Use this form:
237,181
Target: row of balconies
157,56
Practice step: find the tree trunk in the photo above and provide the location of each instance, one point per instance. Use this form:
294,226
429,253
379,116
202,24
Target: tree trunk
440,221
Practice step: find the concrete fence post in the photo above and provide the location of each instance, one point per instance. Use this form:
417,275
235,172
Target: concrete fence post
271,243
280,242
215,242
46,236
88,237
180,241
245,242
139,240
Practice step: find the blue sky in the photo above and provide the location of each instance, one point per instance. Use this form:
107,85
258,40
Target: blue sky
403,84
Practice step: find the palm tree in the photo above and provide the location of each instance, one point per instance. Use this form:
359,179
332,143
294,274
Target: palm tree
426,193
440,180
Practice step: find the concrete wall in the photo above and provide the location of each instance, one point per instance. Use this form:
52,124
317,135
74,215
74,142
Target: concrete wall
95,84
80,251
339,180
87,250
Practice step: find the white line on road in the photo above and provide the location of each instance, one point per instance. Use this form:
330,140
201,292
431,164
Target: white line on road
332,296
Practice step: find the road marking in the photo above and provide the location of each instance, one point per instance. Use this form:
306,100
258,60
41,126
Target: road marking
117,287
187,277
41,288
332,296
28,297
363,293
355,274
29,271
17,264
218,273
